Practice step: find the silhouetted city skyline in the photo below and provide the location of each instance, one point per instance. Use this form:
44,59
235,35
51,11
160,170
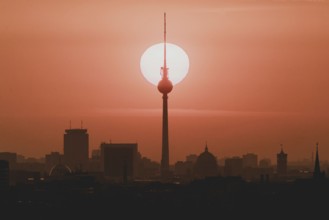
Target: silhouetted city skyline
125,161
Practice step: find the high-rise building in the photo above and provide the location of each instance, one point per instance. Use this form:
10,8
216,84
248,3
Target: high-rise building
282,162
76,148
119,160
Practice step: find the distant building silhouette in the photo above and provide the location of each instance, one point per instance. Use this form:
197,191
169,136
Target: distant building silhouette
95,161
96,154
265,169
282,162
52,159
119,160
250,166
265,163
191,158
233,166
184,169
250,160
4,174
317,174
76,147
146,168
206,165
10,157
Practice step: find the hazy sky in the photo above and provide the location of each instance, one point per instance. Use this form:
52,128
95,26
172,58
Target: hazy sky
259,75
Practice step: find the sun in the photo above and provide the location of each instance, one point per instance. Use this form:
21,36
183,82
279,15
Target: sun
152,61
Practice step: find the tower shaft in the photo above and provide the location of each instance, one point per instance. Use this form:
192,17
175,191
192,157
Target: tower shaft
165,138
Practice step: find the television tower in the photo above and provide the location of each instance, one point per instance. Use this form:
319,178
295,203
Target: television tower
165,86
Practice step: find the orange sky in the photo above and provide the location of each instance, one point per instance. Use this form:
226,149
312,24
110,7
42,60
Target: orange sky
259,75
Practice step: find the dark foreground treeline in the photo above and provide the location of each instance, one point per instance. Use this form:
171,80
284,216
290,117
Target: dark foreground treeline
219,197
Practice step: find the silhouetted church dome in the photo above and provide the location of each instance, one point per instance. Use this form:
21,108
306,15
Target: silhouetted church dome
206,165
59,170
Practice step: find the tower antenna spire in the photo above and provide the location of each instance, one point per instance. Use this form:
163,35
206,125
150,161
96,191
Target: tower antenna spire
165,47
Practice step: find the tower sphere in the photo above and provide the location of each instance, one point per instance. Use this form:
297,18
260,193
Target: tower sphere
165,86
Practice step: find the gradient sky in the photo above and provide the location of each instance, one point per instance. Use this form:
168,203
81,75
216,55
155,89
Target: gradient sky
259,75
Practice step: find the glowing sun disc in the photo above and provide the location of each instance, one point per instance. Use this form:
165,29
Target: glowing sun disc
152,60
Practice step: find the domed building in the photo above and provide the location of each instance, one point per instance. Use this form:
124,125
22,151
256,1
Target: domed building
206,165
